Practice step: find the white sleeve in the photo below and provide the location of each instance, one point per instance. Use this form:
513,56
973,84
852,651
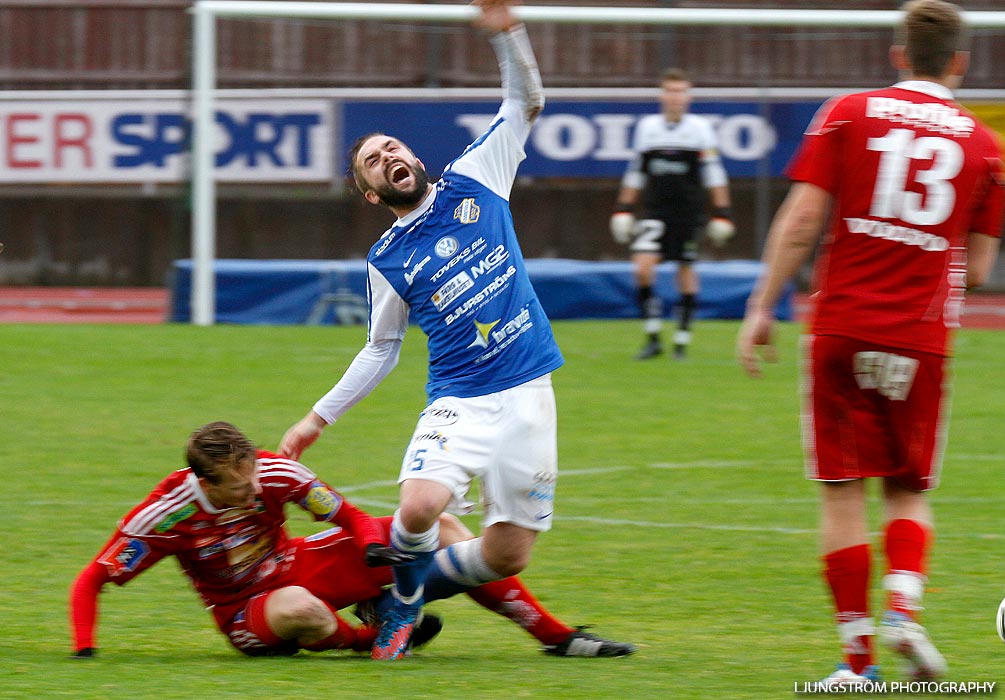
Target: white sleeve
374,362
635,177
523,94
494,157
388,323
713,173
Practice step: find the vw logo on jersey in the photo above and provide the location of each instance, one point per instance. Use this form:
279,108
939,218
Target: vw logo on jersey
446,246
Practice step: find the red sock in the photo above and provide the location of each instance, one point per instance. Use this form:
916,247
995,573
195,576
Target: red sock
907,543
847,574
345,636
511,599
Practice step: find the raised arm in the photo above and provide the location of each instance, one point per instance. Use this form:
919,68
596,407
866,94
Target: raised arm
523,95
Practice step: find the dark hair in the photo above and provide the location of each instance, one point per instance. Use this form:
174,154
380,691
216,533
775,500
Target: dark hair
351,169
676,74
931,32
216,448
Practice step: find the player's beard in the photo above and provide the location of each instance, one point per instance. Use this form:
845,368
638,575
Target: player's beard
392,197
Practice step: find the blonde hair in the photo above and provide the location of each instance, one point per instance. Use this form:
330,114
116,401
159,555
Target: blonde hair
931,32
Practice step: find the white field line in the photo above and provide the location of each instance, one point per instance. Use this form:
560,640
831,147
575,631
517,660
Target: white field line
721,527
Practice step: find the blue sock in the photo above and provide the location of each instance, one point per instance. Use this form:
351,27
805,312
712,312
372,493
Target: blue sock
409,578
456,569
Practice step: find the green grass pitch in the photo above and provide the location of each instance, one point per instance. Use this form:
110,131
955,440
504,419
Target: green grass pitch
683,522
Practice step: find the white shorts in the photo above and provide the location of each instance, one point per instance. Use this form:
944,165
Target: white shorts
507,440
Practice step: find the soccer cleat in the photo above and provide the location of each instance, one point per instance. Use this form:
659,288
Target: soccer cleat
844,676
427,626
580,643
909,639
681,339
651,349
368,612
395,633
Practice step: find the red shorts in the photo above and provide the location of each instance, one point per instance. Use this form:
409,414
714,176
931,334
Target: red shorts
330,565
871,411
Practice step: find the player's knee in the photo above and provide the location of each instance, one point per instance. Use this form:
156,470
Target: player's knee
420,511
508,563
298,612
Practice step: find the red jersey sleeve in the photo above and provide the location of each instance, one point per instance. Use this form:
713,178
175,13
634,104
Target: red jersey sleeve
319,499
990,203
817,160
122,559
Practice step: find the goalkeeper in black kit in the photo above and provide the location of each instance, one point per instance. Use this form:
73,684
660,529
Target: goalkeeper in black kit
663,206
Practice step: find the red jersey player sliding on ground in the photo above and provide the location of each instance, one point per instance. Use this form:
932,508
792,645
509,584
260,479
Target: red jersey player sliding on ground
223,518
912,185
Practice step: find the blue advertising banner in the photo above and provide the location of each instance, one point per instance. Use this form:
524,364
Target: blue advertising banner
583,139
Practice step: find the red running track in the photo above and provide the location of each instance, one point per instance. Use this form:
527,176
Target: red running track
83,305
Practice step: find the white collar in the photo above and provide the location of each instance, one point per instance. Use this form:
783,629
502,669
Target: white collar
927,87
418,211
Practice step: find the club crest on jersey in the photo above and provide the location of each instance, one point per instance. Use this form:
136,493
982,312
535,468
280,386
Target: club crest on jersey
124,556
467,211
446,246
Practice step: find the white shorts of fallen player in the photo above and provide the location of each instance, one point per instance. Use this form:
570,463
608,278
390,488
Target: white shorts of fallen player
506,440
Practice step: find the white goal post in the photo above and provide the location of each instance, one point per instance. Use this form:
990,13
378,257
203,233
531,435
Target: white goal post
206,12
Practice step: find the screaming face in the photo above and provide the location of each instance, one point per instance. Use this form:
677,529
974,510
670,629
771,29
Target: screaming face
391,173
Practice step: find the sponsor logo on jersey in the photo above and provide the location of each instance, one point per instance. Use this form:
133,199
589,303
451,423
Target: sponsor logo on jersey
933,116
467,212
516,326
211,549
663,166
410,275
387,241
474,249
321,501
485,294
124,556
505,336
175,518
238,539
452,288
235,514
495,257
899,234
482,331
446,246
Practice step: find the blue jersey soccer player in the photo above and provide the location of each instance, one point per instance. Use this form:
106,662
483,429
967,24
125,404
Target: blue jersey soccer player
453,263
